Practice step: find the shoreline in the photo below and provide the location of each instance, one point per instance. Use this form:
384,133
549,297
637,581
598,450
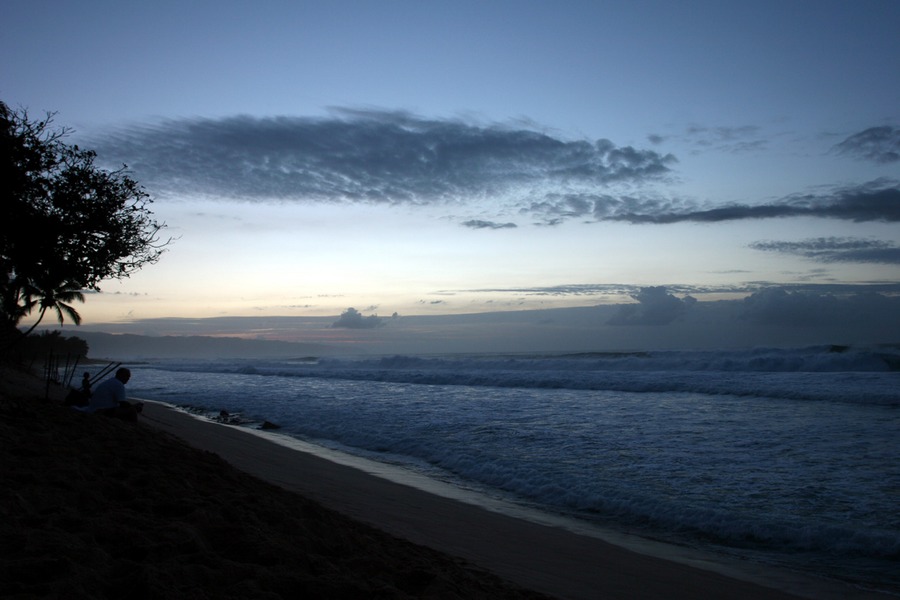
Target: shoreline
800,584
547,557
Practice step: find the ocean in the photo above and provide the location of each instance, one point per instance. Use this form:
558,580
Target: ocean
782,457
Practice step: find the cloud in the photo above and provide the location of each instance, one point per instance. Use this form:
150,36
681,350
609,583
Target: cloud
733,140
479,224
366,156
877,144
398,158
608,291
656,306
586,289
877,200
835,249
784,308
554,208
353,319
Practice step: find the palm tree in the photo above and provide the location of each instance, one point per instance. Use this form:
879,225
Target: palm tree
15,302
13,312
53,296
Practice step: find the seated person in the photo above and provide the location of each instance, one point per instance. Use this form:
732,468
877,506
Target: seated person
86,385
82,395
109,398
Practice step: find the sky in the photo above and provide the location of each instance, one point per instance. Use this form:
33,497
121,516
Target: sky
425,159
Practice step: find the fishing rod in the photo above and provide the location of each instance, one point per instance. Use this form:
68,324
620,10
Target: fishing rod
106,371
70,374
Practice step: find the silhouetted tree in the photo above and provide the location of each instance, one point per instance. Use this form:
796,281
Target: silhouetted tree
49,349
68,224
40,346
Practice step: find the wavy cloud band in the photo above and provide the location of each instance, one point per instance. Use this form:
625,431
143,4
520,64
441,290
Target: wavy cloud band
395,158
370,156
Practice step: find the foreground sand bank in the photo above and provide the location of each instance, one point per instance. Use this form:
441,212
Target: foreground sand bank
545,558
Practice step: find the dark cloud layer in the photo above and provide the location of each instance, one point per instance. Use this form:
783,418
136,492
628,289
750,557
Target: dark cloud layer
785,308
637,292
874,201
878,144
834,249
371,156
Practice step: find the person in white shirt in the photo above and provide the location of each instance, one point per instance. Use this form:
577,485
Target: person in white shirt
109,398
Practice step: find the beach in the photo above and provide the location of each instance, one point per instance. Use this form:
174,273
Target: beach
175,506
93,507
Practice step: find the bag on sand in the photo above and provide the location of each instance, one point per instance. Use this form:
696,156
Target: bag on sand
76,398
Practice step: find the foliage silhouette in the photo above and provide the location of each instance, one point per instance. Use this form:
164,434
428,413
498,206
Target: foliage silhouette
68,225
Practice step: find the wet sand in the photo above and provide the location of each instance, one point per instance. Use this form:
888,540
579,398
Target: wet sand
540,557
